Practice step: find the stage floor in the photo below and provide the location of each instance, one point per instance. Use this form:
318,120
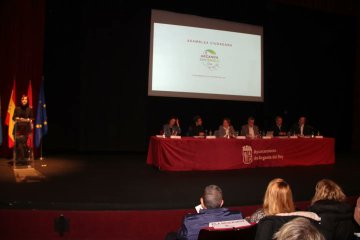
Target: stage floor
124,181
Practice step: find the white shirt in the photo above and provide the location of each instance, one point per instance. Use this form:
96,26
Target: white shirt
302,130
227,132
251,131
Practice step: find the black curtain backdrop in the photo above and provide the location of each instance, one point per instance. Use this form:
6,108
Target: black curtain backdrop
100,52
21,53
96,71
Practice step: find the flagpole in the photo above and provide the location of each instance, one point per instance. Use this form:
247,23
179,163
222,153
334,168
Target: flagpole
41,156
43,164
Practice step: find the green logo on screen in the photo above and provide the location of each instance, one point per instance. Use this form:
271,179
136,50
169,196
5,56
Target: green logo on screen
210,59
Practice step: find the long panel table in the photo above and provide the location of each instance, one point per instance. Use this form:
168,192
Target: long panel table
187,153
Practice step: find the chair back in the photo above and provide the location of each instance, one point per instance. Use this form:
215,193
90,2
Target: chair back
246,233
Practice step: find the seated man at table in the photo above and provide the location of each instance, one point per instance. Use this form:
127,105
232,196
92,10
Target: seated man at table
301,128
279,128
212,211
226,130
250,130
196,129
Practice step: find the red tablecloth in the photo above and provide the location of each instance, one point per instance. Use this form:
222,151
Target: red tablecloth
190,153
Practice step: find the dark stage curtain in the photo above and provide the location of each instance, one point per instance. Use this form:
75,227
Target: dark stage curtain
21,53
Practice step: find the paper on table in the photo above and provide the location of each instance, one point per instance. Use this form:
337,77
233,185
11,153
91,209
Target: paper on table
175,137
230,224
241,137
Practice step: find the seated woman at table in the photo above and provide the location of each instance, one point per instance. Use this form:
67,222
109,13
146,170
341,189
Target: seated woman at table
172,128
226,130
278,199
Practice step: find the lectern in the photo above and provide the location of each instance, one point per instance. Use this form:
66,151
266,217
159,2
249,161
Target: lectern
23,154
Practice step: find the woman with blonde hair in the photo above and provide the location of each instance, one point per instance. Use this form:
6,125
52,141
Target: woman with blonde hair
278,208
278,199
329,202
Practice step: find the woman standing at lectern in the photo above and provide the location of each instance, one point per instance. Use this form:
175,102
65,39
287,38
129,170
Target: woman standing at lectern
23,117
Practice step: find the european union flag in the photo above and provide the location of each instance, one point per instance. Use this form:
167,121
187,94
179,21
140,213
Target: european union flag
41,126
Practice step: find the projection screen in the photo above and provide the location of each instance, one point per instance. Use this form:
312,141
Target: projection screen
197,57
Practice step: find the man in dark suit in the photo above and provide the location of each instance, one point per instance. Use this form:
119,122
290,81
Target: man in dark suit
212,211
279,129
196,129
250,130
302,128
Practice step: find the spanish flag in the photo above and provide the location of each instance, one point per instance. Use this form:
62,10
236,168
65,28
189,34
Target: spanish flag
9,116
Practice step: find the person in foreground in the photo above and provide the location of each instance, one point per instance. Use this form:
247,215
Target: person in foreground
329,202
357,211
278,209
172,128
278,199
357,218
212,211
250,130
226,130
298,229
196,129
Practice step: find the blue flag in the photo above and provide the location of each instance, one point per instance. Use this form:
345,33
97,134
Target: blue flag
41,126
1,136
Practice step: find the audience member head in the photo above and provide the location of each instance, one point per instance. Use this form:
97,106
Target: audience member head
278,198
251,121
357,211
212,197
302,120
226,122
327,189
197,120
278,120
298,229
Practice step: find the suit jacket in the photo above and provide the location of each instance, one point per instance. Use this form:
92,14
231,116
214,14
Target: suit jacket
192,223
276,130
195,130
307,131
222,132
245,130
